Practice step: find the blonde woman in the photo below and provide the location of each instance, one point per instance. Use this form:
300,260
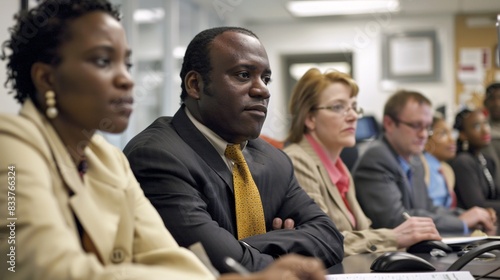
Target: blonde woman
324,115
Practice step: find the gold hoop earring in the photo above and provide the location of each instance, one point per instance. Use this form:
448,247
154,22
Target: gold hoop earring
50,101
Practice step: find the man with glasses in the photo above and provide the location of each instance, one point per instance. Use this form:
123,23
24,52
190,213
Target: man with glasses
389,176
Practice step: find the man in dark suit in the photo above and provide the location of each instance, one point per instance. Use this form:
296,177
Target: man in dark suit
492,104
389,176
181,166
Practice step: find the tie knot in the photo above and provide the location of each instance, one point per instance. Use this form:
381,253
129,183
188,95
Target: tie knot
234,153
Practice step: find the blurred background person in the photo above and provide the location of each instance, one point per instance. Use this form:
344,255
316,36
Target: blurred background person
492,105
475,172
324,116
440,147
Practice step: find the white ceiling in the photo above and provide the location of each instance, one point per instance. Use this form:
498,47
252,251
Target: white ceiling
262,11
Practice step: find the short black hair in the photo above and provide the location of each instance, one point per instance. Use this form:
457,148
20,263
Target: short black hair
459,125
197,56
37,35
460,117
491,89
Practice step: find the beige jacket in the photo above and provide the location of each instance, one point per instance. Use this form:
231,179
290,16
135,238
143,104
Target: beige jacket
313,177
128,233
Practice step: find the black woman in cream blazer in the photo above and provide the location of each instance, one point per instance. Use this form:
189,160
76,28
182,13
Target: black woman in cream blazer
130,239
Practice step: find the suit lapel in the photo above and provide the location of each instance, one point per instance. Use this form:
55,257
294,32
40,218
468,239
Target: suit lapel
197,141
420,195
87,203
404,185
331,188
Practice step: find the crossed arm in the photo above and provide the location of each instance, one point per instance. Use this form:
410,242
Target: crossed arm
196,205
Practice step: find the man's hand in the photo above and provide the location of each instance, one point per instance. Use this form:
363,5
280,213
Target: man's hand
478,217
288,224
414,230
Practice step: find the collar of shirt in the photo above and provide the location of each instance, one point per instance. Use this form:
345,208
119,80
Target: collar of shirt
217,142
433,162
336,171
404,164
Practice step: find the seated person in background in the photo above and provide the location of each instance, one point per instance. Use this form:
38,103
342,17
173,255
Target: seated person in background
324,114
474,172
249,207
492,105
81,213
389,176
439,176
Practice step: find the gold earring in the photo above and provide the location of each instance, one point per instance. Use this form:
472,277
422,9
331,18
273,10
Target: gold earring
465,145
50,101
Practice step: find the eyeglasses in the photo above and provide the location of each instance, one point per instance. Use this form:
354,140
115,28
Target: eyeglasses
342,109
480,125
417,127
440,135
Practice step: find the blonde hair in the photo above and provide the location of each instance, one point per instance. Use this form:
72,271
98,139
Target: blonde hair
306,95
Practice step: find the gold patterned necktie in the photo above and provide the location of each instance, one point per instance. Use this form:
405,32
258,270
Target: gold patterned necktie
249,212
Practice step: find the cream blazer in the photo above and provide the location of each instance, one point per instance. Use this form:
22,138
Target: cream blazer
127,231
314,179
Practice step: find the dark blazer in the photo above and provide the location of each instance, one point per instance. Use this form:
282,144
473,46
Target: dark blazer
191,187
471,185
383,191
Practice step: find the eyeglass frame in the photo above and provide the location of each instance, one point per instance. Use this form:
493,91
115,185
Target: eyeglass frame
447,133
416,127
358,110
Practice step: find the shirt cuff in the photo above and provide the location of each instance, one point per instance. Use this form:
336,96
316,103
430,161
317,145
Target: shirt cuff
466,228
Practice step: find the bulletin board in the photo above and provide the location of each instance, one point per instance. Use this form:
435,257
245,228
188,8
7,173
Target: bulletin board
475,40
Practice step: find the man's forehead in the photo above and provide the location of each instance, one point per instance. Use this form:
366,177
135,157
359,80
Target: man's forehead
424,109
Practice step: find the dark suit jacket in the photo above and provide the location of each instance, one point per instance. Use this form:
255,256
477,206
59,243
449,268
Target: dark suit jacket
191,187
383,191
471,185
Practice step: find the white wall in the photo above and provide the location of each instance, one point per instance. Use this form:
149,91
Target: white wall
9,8
363,37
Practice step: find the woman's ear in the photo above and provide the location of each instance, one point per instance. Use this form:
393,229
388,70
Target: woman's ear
194,84
462,136
310,121
388,123
42,77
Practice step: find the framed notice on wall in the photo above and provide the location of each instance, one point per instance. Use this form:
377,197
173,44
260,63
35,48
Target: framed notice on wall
410,57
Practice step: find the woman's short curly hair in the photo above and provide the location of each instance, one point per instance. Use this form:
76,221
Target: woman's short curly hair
37,35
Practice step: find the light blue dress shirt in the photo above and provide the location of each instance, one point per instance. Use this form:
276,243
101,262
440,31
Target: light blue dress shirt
407,170
433,170
437,188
